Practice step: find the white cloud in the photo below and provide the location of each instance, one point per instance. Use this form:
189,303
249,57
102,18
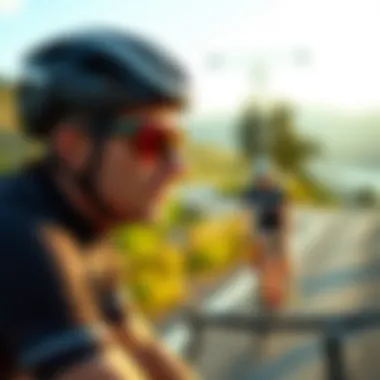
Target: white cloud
10,6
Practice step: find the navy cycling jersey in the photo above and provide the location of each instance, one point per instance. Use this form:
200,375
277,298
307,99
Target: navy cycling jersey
266,204
51,300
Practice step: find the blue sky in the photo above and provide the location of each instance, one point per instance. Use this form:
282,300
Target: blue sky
341,34
185,26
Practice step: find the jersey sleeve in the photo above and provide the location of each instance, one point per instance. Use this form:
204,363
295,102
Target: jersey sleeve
37,304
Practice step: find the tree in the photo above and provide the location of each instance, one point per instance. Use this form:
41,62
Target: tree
289,150
249,131
365,197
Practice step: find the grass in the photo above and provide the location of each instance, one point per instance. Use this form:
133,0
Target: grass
8,120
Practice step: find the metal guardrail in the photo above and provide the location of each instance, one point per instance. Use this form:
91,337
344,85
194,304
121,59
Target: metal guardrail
333,327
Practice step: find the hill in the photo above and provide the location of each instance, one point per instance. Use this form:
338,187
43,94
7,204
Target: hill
7,112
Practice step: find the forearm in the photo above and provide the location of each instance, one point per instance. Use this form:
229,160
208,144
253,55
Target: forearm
111,364
158,362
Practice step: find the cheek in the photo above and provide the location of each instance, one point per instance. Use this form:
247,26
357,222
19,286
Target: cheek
160,179
121,176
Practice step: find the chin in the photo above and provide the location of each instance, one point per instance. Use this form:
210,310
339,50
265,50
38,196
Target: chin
148,214
129,217
143,216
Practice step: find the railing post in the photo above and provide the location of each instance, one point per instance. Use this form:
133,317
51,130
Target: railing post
195,345
334,357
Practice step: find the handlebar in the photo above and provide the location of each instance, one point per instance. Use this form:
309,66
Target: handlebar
332,326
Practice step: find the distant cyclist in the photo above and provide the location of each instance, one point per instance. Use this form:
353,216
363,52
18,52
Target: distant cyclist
106,103
267,204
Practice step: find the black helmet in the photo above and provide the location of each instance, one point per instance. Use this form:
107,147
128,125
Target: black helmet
95,70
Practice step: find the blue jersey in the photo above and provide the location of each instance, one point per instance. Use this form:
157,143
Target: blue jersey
50,303
266,205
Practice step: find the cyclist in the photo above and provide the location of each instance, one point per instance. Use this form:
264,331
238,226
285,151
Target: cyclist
106,104
266,199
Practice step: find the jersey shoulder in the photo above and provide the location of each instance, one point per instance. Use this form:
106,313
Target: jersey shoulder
16,219
43,304
25,202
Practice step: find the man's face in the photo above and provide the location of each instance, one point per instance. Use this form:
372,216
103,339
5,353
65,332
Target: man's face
138,168
139,161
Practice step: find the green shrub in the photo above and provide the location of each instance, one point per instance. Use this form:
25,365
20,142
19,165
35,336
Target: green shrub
198,262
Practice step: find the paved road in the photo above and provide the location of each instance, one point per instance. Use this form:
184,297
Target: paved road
336,256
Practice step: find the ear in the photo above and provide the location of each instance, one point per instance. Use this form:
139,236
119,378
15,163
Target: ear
71,145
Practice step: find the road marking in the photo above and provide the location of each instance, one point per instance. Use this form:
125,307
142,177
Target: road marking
233,292
340,271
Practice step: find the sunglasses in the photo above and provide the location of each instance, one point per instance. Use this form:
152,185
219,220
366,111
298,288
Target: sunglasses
151,140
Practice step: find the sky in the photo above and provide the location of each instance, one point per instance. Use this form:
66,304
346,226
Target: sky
340,35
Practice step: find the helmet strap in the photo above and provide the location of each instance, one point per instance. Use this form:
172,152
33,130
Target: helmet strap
87,180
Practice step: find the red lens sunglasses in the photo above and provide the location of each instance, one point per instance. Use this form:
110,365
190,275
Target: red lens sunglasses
151,140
